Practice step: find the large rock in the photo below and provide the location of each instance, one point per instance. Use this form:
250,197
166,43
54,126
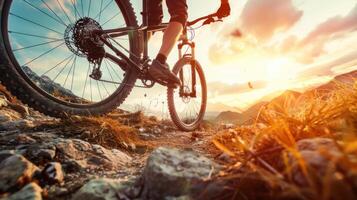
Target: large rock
99,189
172,172
86,155
30,192
15,171
317,154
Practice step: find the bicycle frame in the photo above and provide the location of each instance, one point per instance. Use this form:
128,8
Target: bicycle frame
142,63
144,29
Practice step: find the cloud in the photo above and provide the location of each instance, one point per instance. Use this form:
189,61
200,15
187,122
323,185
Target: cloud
333,27
264,18
259,22
327,68
219,88
313,45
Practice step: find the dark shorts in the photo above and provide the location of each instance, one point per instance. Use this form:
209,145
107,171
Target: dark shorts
177,10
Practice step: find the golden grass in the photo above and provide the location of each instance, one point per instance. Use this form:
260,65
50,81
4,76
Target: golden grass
269,146
104,131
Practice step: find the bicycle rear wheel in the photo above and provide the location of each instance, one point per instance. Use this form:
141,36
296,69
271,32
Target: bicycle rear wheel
187,105
46,66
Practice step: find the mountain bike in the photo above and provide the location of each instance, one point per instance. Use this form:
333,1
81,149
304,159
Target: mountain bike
84,57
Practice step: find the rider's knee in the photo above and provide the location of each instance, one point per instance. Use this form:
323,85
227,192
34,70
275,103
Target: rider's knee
179,16
178,11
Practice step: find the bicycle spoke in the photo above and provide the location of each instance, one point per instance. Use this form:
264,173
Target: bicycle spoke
105,88
85,83
36,45
45,53
44,13
82,8
53,11
120,79
75,10
74,71
70,21
33,35
110,19
100,11
69,72
100,94
106,65
196,106
35,23
58,64
63,68
89,7
91,91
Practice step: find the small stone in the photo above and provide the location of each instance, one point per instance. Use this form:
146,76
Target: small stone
30,192
73,166
4,154
99,189
16,125
24,139
40,153
52,173
54,192
23,110
4,117
225,157
15,171
3,102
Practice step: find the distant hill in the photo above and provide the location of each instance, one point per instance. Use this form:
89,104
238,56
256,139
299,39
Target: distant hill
218,107
249,115
229,117
215,109
348,78
288,94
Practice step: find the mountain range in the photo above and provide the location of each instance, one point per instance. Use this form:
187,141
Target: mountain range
230,116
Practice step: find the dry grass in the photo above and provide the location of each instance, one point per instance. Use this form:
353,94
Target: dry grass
118,129
268,148
104,131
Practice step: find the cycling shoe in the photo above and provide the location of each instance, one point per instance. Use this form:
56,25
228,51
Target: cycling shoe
163,75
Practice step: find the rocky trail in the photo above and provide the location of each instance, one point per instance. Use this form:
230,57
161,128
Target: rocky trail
43,157
303,150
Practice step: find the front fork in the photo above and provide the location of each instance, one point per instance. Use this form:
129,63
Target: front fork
184,92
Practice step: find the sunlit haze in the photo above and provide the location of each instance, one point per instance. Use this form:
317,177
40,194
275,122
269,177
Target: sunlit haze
270,45
262,49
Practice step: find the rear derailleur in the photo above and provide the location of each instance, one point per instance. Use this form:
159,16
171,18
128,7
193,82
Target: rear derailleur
96,72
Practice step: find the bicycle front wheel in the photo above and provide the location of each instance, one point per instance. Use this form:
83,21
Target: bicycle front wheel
46,54
187,104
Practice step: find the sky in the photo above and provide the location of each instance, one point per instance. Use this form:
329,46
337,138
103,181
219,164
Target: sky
272,45
263,48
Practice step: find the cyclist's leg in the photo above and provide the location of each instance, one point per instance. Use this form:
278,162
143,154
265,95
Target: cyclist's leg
159,68
178,12
155,13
